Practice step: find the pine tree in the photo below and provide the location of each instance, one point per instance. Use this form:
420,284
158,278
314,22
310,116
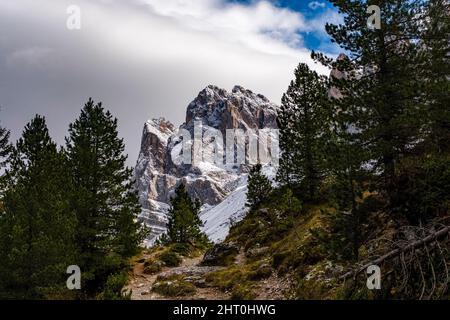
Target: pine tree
259,187
5,150
37,225
375,115
378,96
5,146
434,62
184,222
303,128
104,200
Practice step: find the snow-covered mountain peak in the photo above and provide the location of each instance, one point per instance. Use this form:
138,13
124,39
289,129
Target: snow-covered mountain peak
158,172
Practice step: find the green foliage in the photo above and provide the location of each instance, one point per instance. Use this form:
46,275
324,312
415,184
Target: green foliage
184,223
380,147
60,208
114,287
227,279
221,255
104,200
434,62
389,125
163,240
423,186
311,290
152,266
287,202
279,258
261,227
303,129
338,239
269,223
5,146
183,249
375,154
259,187
170,258
5,151
262,272
37,225
344,232
376,114
240,280
174,287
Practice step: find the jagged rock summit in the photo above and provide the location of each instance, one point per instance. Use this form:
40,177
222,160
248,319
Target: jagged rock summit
238,109
220,188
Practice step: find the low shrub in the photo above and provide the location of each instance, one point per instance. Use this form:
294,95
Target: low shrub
152,266
174,288
170,258
114,287
264,271
183,249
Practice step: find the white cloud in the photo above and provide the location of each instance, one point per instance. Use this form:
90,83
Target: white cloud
31,57
259,28
235,21
143,58
316,4
329,16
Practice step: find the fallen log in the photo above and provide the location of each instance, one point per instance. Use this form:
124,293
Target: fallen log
396,252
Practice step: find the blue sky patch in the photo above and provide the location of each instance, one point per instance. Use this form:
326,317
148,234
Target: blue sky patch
311,10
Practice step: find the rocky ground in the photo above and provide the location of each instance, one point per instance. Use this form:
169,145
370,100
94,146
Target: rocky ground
192,271
141,284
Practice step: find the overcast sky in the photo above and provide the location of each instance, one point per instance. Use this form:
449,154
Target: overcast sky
148,58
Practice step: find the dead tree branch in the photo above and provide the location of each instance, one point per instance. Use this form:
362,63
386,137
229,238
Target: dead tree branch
411,247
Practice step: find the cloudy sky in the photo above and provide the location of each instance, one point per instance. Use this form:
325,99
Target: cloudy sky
148,58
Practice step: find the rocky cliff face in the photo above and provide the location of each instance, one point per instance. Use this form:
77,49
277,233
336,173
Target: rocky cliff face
338,74
218,186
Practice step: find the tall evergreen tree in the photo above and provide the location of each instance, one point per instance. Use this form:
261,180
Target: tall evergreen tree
104,200
259,187
379,98
184,222
5,149
434,63
37,225
303,121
